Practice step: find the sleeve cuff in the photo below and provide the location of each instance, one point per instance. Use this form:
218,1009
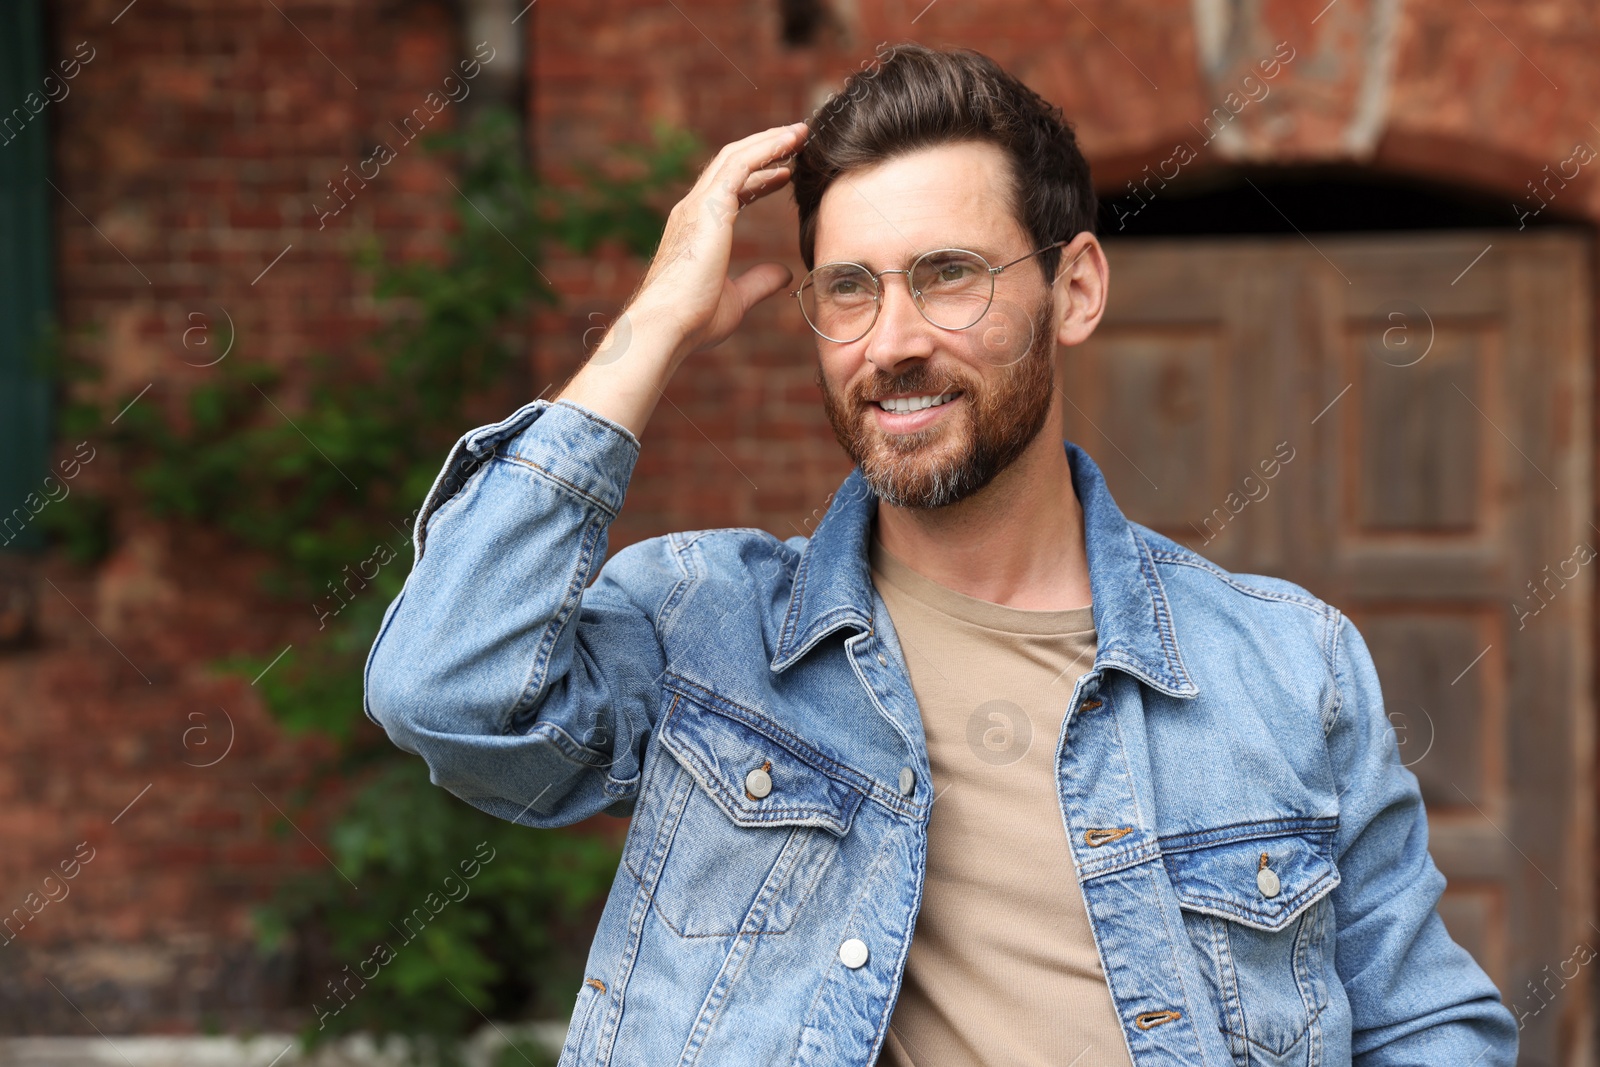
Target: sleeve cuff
585,452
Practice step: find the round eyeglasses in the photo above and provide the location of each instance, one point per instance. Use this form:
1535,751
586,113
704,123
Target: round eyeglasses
951,287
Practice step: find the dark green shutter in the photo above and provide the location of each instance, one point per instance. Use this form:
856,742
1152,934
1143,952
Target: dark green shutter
26,290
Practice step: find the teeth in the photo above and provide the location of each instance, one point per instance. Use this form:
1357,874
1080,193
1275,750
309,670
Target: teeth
906,404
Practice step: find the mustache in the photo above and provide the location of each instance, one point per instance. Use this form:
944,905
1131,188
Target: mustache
916,382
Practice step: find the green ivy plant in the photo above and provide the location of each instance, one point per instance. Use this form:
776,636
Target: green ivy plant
328,498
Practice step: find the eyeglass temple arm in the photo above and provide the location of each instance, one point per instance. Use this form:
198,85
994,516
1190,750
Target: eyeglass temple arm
1030,255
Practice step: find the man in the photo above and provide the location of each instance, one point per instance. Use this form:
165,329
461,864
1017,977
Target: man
979,773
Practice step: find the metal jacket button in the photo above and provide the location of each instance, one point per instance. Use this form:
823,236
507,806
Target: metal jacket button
853,953
1267,879
908,781
758,783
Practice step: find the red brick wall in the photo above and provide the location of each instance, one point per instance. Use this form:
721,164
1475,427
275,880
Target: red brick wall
198,140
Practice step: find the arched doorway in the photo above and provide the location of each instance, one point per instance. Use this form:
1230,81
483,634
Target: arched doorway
1381,390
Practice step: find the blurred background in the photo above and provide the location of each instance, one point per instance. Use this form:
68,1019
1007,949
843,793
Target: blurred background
262,261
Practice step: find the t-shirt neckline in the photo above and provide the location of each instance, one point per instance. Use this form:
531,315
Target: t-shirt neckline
987,614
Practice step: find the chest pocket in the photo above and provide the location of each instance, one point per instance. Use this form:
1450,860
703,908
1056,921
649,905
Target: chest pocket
737,820
1256,907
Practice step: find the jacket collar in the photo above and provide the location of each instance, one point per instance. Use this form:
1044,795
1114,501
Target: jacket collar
833,585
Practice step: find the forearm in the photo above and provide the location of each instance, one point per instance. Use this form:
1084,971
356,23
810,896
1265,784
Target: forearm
624,377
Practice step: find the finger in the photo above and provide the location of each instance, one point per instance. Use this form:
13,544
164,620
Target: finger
781,146
772,142
771,138
760,282
757,154
761,183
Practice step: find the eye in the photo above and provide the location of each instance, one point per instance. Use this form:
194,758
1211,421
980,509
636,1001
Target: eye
947,271
844,284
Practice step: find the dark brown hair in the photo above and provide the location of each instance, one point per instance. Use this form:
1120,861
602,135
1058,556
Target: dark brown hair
918,97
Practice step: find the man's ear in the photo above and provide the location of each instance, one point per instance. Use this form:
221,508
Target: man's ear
1081,286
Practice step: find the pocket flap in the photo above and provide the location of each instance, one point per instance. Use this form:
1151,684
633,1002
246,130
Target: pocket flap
721,748
1218,872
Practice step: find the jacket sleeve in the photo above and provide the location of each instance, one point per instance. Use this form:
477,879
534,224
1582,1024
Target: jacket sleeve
527,691
1416,997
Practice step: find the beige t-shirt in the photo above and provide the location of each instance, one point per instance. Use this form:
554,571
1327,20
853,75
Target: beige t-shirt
1002,967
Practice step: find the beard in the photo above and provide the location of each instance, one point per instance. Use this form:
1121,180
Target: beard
956,457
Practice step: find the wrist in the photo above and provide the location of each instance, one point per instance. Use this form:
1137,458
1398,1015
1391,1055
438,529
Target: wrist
623,377
659,324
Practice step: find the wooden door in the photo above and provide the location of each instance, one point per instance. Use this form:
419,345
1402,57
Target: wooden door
1400,423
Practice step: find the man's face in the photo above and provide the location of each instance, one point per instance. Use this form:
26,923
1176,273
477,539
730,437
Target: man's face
995,379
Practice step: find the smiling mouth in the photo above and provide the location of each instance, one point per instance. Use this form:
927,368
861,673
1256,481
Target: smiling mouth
907,404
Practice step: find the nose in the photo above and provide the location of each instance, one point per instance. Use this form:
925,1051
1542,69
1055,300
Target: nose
900,334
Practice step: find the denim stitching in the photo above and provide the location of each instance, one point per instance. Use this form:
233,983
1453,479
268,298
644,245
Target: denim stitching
790,850
840,815
1315,890
897,804
1299,826
678,549
566,746
905,946
1335,650
1201,563
1158,597
1119,859
509,426
693,536
1311,1021
1228,981
1114,656
582,1031
836,823
599,420
572,489
1304,978
669,604
637,917
1124,774
798,746
534,683
1172,939
1238,1030
796,595
823,625
717,998
630,848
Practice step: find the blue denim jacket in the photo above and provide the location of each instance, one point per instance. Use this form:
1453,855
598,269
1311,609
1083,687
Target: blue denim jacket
766,920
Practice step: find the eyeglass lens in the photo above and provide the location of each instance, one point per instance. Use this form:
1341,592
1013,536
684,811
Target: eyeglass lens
952,289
